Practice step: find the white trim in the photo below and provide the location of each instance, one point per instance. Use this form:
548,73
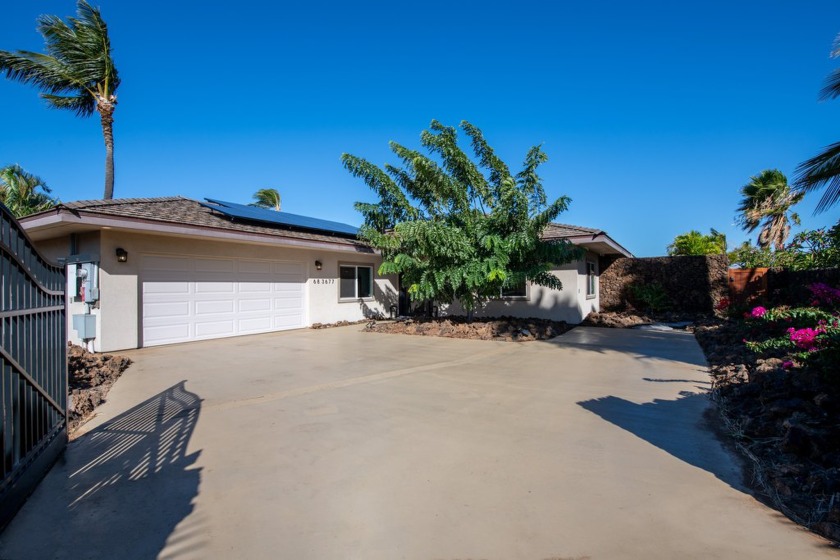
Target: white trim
598,238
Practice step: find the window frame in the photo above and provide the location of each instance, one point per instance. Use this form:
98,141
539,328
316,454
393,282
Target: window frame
591,279
355,267
515,297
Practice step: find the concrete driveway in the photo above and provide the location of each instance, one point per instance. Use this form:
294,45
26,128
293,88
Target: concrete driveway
343,444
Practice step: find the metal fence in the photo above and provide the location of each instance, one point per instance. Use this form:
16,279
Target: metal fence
33,356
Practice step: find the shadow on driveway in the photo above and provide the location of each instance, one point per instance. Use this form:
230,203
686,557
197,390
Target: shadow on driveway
125,485
674,426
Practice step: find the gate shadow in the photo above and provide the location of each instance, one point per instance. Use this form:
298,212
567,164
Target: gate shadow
126,484
678,427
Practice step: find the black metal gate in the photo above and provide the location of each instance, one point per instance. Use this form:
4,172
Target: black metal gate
33,356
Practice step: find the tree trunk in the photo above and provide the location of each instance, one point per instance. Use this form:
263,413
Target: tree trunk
106,113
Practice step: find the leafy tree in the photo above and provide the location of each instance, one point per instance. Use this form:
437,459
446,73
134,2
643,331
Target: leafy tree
695,243
808,250
19,191
457,227
267,198
767,200
77,72
823,170
748,255
815,249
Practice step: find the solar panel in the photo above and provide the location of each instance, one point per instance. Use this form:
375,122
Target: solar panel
273,217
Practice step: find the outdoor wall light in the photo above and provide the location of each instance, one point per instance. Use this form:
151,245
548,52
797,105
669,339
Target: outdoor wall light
122,255
319,265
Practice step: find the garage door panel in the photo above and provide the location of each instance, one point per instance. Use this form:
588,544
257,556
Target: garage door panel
256,324
166,287
252,305
254,287
166,309
215,287
213,307
166,334
190,298
214,329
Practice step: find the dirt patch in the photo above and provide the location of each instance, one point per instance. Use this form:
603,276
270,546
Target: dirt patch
504,328
90,378
338,324
629,319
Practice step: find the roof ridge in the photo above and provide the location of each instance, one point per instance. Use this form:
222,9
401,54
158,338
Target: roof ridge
98,202
572,226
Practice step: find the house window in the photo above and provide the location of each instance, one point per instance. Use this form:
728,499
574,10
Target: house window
514,291
355,282
590,279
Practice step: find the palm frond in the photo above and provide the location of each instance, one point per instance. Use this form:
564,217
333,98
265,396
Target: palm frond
822,170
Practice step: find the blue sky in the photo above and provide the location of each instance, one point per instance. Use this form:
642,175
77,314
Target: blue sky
653,114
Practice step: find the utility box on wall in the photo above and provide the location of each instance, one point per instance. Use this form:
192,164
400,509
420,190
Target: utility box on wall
85,325
83,281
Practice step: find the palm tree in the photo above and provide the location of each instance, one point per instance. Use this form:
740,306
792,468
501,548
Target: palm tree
267,198
766,202
823,170
76,73
18,191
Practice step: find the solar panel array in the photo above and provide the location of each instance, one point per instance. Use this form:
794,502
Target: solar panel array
273,217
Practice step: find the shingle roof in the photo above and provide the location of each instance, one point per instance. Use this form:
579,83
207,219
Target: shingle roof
557,231
185,211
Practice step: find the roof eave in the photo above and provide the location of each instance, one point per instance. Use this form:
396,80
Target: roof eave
63,221
601,238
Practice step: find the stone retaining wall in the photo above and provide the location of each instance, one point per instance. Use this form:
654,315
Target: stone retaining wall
693,284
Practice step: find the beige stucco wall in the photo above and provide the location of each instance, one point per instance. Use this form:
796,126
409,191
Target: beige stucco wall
119,317
60,248
569,304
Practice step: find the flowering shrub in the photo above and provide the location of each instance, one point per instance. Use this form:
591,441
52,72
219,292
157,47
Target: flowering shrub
758,312
805,339
824,295
803,336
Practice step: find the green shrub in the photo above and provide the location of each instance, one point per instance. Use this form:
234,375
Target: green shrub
651,297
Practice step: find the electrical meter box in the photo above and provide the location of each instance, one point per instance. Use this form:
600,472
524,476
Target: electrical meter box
85,325
86,285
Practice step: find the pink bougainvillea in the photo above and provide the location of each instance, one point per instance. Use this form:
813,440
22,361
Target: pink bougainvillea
758,312
787,364
804,338
824,294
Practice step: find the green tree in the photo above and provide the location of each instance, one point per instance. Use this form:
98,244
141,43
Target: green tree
267,198
808,250
767,200
457,227
695,243
77,72
823,170
19,191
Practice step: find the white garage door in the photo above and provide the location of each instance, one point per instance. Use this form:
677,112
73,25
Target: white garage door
191,298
